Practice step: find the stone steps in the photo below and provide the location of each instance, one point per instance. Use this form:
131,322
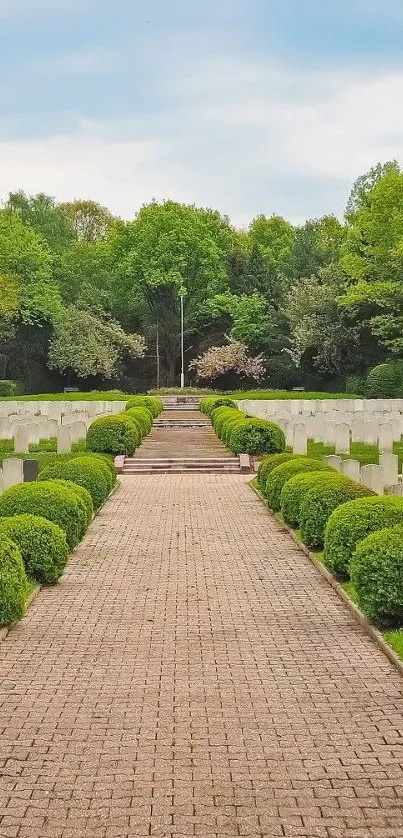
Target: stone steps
181,465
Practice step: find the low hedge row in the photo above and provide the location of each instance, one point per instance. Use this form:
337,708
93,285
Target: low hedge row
152,403
124,432
361,532
41,522
243,434
209,403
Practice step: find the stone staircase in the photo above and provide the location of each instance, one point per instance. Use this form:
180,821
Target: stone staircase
182,465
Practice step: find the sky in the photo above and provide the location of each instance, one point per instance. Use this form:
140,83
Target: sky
247,106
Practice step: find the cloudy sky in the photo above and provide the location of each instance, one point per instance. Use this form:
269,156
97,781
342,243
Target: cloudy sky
249,106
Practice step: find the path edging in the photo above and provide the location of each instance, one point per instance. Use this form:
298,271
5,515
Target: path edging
359,615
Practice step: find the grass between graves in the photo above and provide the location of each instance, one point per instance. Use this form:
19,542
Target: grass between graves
96,396
366,454
394,638
287,394
117,395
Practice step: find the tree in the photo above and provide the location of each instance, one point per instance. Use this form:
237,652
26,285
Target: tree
318,243
90,221
363,186
275,237
83,343
221,360
168,248
85,265
41,213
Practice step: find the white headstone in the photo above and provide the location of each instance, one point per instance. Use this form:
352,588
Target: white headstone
333,461
299,445
21,439
78,431
396,489
13,473
390,465
352,469
63,440
372,476
342,439
385,437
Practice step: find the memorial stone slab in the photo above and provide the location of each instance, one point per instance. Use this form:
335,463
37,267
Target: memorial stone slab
21,439
13,473
352,469
30,470
372,476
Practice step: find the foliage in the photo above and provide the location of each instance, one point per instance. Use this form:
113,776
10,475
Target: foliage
41,214
377,575
113,435
9,388
13,583
48,500
257,436
270,462
83,498
209,403
141,417
321,500
220,360
83,343
279,476
294,492
42,544
354,521
85,472
385,381
152,403
89,220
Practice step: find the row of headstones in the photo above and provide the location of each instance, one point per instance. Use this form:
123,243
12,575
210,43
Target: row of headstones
382,478
66,436
42,427
342,435
15,471
312,407
57,410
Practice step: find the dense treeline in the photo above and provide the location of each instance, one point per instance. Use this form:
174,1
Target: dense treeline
89,299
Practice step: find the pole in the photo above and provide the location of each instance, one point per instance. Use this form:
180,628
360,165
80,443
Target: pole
182,347
157,350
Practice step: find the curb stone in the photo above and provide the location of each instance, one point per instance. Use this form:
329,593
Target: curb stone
356,612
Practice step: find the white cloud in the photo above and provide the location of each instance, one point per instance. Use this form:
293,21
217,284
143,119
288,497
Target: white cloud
245,137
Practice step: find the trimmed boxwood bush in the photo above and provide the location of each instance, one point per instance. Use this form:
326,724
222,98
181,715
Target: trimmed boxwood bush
279,476
210,403
257,436
42,545
377,575
83,498
221,416
141,416
108,470
13,582
229,426
113,435
270,462
321,500
154,405
385,381
9,388
294,492
55,502
354,521
85,473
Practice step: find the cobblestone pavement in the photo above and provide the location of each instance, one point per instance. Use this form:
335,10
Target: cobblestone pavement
193,674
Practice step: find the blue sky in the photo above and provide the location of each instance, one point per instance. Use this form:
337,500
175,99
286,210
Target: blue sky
249,106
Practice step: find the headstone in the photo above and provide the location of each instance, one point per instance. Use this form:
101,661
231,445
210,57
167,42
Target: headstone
21,439
333,461
372,476
299,445
370,432
385,437
63,440
13,473
30,470
78,431
396,489
329,433
352,469
342,439
390,465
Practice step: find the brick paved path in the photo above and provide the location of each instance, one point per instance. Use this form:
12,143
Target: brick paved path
194,675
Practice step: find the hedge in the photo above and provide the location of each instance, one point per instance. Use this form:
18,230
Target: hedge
113,435
270,462
13,582
294,492
377,575
50,500
282,473
210,403
385,381
152,403
354,521
257,436
109,471
83,471
221,416
143,417
9,388
42,545
321,500
82,497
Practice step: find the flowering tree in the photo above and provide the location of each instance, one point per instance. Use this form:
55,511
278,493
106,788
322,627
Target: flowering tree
232,358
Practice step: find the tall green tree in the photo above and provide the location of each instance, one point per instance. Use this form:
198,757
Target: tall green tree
42,214
90,221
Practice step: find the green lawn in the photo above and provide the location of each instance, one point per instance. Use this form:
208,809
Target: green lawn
287,394
98,396
366,454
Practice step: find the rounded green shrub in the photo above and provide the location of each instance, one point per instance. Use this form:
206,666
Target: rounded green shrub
209,404
321,500
143,417
270,462
152,403
385,381
257,436
13,582
84,472
352,522
229,426
221,416
107,467
42,545
113,435
279,476
82,498
50,500
377,575
294,492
